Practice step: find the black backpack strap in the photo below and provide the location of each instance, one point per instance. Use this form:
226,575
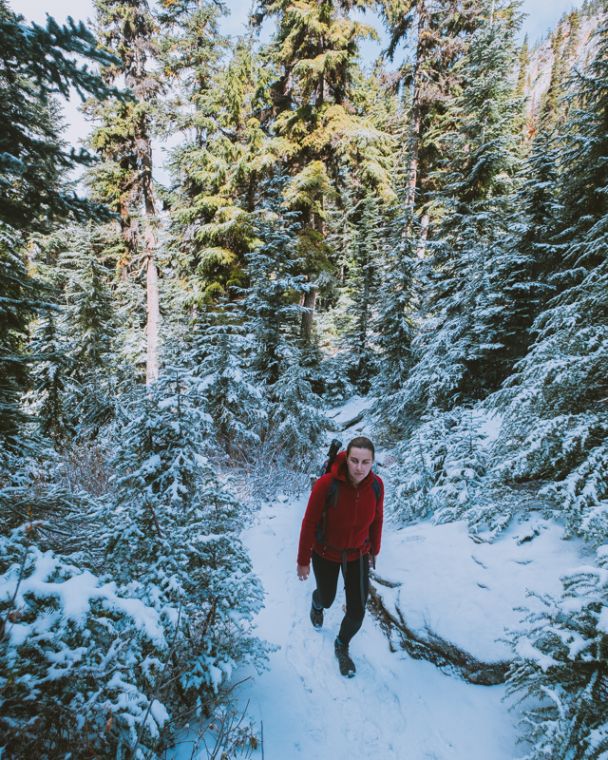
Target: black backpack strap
377,488
331,499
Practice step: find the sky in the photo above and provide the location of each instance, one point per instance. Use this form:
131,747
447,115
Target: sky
540,17
541,14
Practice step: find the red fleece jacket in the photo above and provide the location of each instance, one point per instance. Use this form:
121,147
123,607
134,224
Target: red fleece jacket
354,522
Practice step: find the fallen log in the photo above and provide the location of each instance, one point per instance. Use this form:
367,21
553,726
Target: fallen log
427,645
350,423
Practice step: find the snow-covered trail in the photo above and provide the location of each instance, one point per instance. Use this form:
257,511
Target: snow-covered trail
395,707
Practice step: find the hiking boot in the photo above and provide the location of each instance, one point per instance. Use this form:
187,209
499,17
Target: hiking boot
316,615
347,666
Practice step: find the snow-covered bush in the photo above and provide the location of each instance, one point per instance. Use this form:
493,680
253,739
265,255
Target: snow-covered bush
560,663
584,495
79,660
441,473
173,539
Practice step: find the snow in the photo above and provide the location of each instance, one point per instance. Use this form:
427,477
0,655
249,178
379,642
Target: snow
394,708
489,426
602,623
467,592
346,412
159,712
75,595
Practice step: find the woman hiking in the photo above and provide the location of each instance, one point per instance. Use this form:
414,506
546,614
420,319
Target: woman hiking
342,529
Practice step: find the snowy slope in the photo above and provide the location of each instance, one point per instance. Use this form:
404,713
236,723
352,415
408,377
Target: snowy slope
468,592
395,707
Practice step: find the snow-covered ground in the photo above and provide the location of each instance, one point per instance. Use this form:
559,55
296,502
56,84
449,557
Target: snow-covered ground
395,707
468,592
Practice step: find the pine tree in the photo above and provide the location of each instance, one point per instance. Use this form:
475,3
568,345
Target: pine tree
457,353
17,304
35,64
314,51
555,425
123,179
296,422
560,662
87,326
218,170
273,298
395,322
233,401
49,351
79,658
553,100
534,253
438,36
173,539
360,294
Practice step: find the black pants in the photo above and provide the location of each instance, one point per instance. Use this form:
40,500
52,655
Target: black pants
356,586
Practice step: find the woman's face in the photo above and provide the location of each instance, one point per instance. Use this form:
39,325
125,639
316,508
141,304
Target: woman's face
359,463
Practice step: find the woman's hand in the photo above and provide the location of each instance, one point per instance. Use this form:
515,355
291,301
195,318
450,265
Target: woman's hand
303,572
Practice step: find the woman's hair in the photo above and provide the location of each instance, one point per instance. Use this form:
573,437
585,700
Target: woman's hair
361,442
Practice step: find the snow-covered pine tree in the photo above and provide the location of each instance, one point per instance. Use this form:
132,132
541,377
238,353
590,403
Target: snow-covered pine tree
79,659
533,252
395,322
235,404
272,300
173,540
17,302
87,328
457,351
555,424
48,349
296,422
360,295
441,472
560,663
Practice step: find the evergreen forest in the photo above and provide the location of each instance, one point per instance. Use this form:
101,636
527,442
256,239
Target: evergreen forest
426,230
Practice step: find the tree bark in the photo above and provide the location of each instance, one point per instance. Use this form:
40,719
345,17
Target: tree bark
308,301
415,116
150,244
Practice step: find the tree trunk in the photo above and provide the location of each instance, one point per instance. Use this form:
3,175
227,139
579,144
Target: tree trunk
308,301
153,320
415,118
152,293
